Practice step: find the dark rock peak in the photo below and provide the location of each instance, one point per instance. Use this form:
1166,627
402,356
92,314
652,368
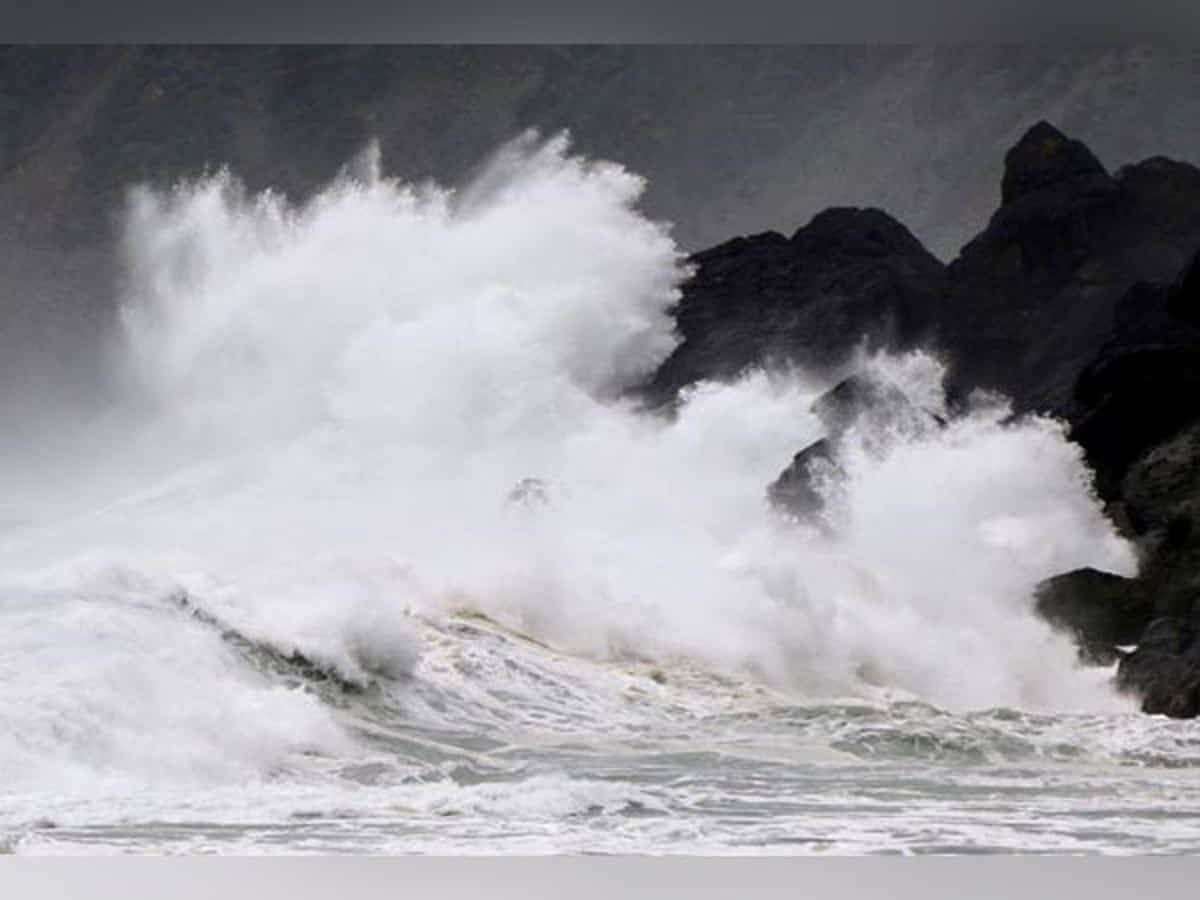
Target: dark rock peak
854,231
849,279
765,240
1045,157
1158,170
832,235
1034,297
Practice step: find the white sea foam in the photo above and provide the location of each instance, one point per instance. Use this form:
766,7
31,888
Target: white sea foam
337,400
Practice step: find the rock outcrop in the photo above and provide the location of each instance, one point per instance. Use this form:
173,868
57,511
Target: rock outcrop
1164,671
1097,318
1138,420
1080,299
797,490
1143,386
1102,610
1033,298
851,277
876,409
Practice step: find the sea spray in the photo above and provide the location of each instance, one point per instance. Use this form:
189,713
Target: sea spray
336,401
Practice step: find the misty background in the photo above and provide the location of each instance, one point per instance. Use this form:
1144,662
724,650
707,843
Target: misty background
733,140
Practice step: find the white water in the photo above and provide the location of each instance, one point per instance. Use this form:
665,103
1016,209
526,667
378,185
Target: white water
333,405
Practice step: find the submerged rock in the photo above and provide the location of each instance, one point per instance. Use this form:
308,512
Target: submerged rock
290,663
796,489
528,493
878,409
861,396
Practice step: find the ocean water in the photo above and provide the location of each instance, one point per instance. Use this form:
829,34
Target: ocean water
372,552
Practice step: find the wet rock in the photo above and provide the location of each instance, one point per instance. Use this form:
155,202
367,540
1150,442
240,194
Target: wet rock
1138,421
1164,671
877,408
1143,396
1161,497
1143,386
796,490
859,396
1101,610
1163,486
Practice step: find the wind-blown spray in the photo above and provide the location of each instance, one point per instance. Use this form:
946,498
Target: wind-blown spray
393,402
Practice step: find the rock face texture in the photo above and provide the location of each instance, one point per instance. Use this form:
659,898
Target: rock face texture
1064,268
849,278
1102,610
1081,299
1165,669
1033,298
1144,383
1137,416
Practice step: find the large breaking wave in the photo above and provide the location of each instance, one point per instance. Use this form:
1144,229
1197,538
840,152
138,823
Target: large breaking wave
397,402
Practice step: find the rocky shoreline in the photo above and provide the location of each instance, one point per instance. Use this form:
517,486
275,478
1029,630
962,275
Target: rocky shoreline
1080,299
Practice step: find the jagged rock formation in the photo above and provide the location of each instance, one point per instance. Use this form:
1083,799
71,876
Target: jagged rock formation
1165,669
1139,424
1024,309
1081,298
849,278
1144,383
1033,298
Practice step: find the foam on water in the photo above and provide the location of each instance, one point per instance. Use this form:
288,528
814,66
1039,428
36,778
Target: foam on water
327,408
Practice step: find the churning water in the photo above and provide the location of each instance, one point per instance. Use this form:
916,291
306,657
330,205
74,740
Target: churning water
373,553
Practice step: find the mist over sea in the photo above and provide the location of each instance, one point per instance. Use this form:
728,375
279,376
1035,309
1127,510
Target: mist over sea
373,549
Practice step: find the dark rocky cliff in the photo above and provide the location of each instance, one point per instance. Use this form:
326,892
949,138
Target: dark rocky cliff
1081,299
849,278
